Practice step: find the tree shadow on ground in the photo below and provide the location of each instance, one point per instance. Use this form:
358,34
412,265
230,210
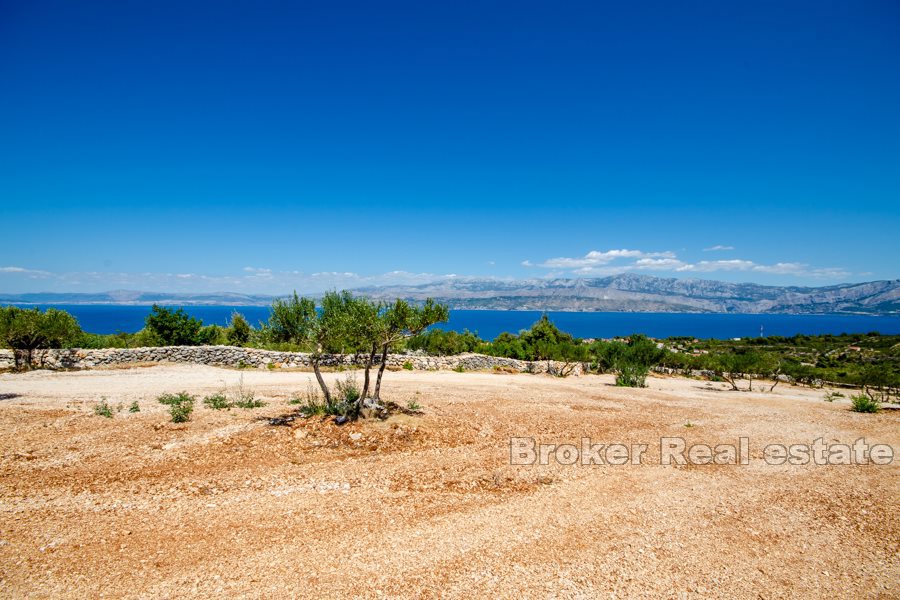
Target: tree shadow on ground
9,396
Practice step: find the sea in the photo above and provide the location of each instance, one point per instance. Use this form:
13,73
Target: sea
490,323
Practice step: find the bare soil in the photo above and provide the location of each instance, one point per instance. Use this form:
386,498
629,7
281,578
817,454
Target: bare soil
428,506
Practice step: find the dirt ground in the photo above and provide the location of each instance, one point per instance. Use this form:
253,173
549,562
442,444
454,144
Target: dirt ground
430,506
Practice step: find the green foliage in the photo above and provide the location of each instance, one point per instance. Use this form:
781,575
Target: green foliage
413,405
312,404
181,413
239,330
175,327
630,360
212,335
293,320
217,401
103,409
459,369
438,342
832,396
348,388
134,407
173,399
864,404
408,366
30,329
181,405
244,398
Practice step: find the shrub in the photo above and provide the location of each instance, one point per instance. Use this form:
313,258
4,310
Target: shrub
630,361
248,400
172,399
217,401
134,407
459,369
245,398
103,409
315,405
864,404
181,405
408,366
348,389
181,413
174,327
29,330
239,330
832,396
631,374
413,405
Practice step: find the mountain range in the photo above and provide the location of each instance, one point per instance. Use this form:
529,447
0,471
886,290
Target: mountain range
627,293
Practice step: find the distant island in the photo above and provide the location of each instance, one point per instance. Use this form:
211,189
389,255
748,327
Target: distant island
620,293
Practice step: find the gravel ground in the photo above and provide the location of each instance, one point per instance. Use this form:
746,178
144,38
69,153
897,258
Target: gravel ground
429,505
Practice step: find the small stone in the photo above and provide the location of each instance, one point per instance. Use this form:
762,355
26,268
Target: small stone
356,436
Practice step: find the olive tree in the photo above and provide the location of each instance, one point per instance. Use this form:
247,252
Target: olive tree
28,330
402,320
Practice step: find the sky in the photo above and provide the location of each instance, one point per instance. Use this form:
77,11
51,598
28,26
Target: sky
260,147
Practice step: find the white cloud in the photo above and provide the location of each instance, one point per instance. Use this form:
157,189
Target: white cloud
595,258
718,248
614,262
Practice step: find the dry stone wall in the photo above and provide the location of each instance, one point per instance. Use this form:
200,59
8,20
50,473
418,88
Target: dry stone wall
231,356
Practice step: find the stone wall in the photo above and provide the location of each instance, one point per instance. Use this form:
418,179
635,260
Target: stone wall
231,356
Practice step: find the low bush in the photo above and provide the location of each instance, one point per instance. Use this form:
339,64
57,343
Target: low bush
348,389
217,401
172,399
181,405
245,398
135,407
408,366
315,405
630,374
864,404
103,409
181,413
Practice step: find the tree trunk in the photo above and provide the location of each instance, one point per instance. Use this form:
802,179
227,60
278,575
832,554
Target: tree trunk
730,379
750,385
774,384
384,352
321,380
369,363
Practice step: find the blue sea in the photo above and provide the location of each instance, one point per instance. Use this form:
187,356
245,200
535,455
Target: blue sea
489,323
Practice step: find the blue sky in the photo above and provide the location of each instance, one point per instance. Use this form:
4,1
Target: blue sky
265,146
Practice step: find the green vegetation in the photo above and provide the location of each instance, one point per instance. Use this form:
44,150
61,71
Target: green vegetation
134,407
438,342
312,404
239,330
103,409
181,405
217,401
630,360
344,324
175,328
864,404
27,330
348,389
832,396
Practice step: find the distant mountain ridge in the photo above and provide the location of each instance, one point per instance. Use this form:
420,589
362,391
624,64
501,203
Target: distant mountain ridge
643,293
625,293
